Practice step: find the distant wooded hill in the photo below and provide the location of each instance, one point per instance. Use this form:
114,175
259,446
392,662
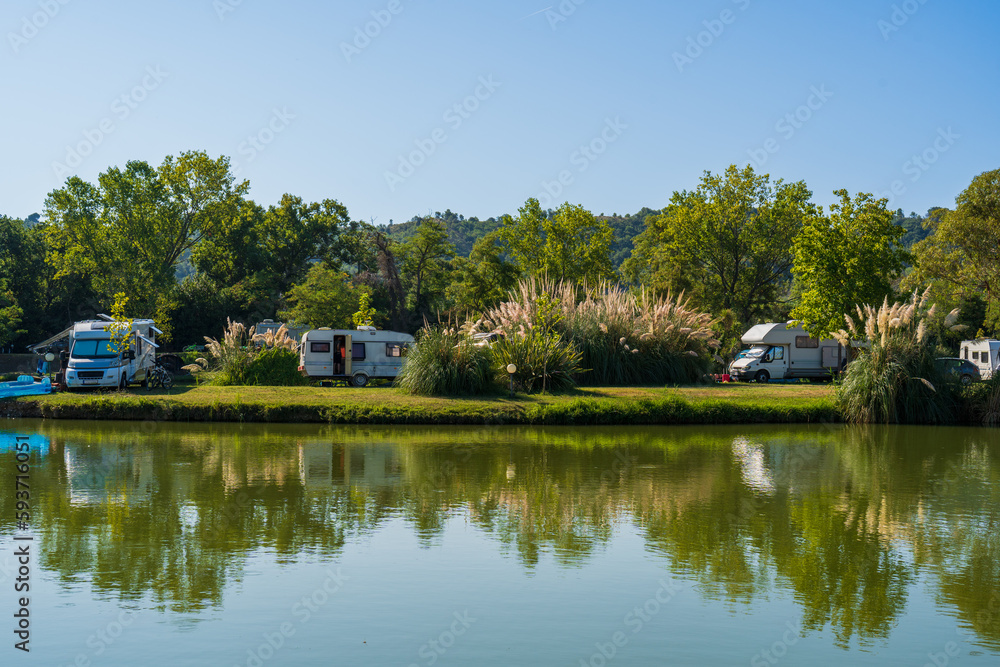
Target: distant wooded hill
464,232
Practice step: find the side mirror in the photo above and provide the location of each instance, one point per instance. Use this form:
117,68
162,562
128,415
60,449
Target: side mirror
130,355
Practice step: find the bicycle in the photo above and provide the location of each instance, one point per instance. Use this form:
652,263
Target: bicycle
159,377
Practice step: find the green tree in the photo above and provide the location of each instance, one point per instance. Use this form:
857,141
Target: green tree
960,258
847,259
425,260
295,234
326,298
128,232
484,278
570,244
728,243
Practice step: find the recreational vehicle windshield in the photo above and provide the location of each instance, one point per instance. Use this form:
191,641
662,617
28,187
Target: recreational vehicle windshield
354,355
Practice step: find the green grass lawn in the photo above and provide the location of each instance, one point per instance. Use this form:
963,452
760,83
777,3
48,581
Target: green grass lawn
730,403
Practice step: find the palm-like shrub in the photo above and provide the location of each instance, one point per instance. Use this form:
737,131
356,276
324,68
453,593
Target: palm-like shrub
543,359
894,378
445,362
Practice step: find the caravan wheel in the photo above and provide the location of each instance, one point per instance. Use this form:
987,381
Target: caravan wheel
359,380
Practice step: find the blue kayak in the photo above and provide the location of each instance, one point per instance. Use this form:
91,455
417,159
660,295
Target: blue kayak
25,385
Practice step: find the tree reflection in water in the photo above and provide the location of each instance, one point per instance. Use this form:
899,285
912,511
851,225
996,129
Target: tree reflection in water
845,519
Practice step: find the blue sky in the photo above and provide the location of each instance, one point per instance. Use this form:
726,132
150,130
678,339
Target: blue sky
476,106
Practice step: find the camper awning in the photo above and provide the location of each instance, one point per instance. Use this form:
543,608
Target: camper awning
147,341
48,341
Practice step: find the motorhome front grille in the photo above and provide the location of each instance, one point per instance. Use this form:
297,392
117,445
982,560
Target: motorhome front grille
90,375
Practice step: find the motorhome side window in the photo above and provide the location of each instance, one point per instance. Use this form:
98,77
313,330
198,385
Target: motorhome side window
357,351
320,347
985,357
806,342
777,353
975,356
395,350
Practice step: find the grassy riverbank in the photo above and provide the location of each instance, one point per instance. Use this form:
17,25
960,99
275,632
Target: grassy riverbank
715,404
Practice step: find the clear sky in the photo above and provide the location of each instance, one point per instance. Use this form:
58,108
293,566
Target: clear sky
399,108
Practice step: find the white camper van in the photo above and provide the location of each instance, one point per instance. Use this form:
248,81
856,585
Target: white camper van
780,353
354,355
983,353
93,362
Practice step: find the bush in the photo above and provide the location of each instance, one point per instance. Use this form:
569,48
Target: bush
245,358
445,362
895,380
544,361
274,367
622,337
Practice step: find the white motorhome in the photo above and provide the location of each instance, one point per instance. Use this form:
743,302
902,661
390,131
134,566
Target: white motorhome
983,353
354,355
782,353
94,363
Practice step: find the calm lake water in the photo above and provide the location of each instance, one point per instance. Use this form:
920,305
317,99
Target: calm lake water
165,544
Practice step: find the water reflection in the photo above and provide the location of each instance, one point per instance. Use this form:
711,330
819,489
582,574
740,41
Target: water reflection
848,520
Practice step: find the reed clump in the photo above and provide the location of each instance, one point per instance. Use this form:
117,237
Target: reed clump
444,362
244,358
894,378
622,337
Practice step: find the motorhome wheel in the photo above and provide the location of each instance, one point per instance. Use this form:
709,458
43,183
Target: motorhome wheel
762,376
123,385
359,380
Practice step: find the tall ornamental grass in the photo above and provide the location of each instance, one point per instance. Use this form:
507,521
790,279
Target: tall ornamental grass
242,357
622,337
444,362
894,378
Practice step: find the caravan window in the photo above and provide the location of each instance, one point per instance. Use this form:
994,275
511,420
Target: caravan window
985,357
395,350
357,351
806,341
323,348
975,356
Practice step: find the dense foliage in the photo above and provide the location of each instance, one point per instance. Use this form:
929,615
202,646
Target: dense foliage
894,378
444,362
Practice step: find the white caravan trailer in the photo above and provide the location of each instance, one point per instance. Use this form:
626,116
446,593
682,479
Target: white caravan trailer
93,362
782,353
983,353
353,355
